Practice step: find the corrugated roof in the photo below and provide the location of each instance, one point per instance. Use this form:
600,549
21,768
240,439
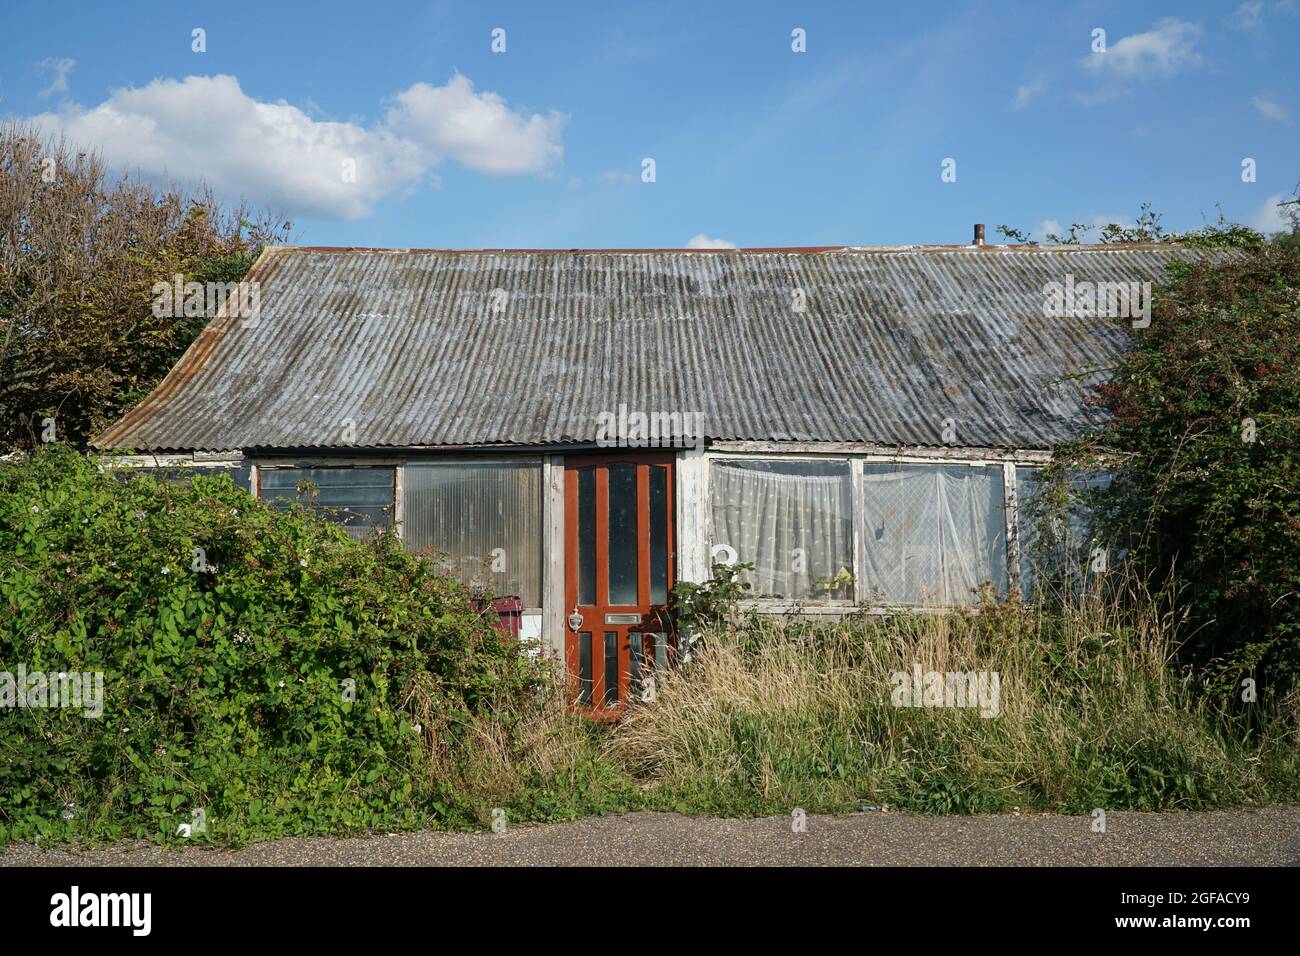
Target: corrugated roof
400,348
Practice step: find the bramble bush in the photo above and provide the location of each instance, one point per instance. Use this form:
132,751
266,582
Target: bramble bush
1201,439
1204,446
224,688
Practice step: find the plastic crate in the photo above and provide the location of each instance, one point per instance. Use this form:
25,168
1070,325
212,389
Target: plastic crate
509,612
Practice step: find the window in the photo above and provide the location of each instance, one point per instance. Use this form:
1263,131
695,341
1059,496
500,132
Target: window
486,517
360,499
181,474
1063,551
792,520
932,533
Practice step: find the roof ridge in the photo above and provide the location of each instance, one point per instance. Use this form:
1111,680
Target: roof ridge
803,250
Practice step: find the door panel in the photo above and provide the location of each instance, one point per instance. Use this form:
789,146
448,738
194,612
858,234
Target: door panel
624,551
618,571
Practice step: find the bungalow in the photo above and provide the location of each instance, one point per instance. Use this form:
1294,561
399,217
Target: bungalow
583,428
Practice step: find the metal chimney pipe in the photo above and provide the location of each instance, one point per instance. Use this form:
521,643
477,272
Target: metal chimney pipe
979,234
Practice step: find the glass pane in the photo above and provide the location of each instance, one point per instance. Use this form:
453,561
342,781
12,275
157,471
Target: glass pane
587,536
358,498
611,667
1027,521
584,668
661,651
658,535
623,564
934,533
484,517
636,652
1051,548
793,520
240,475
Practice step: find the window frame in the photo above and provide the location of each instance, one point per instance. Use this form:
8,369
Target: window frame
398,463
1080,482
257,467
769,603
1008,461
496,459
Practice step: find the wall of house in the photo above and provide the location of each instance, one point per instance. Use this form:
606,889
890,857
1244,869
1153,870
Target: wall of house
832,527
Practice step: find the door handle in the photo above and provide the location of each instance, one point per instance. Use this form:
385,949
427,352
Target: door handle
575,619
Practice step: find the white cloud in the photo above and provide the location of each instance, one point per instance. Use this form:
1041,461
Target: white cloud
1248,15
1099,97
1270,217
1270,109
59,69
701,241
1251,15
477,130
1025,94
208,128
1168,47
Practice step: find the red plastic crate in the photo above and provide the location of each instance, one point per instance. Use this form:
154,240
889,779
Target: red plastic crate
509,612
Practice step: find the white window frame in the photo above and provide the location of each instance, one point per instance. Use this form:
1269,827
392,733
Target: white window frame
857,456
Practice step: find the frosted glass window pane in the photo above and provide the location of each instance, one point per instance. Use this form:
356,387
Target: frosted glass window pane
584,669
624,559
658,535
636,652
1080,537
587,536
611,668
932,533
360,499
792,520
484,517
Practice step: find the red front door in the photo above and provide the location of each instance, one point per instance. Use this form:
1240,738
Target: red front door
618,554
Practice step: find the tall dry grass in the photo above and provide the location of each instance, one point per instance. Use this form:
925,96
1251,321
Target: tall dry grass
773,715
526,754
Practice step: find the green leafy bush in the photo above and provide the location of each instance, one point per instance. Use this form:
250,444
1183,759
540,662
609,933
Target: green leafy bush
283,679
1202,443
713,602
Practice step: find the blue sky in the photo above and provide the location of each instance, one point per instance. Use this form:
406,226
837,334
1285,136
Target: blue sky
542,145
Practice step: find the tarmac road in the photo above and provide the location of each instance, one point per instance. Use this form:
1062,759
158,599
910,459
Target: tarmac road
1265,837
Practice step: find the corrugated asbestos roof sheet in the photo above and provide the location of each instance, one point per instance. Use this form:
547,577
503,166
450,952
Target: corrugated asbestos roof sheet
405,347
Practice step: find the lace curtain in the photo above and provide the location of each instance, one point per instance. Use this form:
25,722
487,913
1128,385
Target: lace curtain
933,533
791,520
